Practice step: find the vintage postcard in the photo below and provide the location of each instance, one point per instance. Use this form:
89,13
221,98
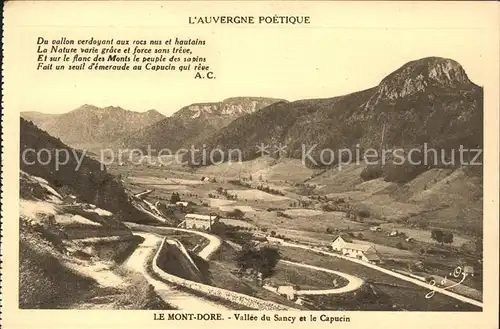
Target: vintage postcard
250,164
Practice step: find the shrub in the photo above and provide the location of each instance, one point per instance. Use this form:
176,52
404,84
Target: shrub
371,172
236,213
403,173
363,213
263,260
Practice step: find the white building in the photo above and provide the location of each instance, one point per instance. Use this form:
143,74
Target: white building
197,221
287,291
364,252
339,242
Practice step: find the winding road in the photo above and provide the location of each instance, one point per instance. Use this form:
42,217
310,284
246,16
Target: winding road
184,300
354,282
392,273
169,293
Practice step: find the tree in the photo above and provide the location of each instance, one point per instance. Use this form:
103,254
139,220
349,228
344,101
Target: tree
363,213
262,260
273,233
174,198
328,230
447,237
437,235
236,213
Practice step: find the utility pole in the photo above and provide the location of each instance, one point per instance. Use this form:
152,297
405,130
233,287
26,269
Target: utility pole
382,145
382,140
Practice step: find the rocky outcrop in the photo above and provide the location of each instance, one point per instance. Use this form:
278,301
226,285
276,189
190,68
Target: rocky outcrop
230,107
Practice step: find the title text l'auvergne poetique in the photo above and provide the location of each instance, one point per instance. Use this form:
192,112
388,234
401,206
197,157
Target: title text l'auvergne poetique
272,19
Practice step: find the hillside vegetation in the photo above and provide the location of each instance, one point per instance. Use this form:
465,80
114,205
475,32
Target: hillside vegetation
430,100
71,235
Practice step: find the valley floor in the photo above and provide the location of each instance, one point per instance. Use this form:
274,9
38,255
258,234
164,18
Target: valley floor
316,206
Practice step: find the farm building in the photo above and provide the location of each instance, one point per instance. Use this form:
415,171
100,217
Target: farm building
287,291
360,251
364,252
468,270
197,221
375,229
182,203
339,242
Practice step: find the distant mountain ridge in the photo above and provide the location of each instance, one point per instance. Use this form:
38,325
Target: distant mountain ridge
193,123
90,124
230,107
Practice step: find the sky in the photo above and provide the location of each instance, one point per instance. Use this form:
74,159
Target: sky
347,47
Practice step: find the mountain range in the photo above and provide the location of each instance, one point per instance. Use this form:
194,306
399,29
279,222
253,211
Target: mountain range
429,100
193,123
92,127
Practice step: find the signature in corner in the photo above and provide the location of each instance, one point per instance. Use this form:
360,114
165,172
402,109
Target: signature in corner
457,272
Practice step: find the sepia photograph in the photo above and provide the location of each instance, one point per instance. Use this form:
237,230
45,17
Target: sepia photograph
246,216
202,164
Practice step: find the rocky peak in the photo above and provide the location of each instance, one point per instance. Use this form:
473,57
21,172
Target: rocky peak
230,107
421,74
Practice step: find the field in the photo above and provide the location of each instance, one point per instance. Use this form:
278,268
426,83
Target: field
228,205
305,279
252,194
317,223
236,222
221,276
